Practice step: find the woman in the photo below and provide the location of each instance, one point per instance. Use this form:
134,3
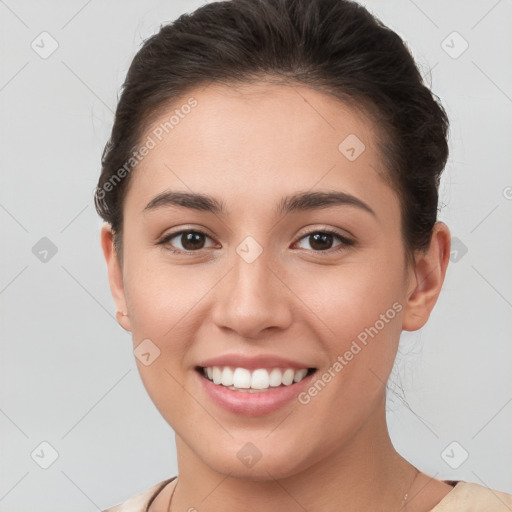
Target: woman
270,194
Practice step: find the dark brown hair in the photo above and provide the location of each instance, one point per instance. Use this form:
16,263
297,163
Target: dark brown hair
333,46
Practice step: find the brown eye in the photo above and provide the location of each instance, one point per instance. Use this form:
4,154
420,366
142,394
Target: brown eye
190,241
323,240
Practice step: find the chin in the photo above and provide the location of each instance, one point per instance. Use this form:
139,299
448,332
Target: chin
252,464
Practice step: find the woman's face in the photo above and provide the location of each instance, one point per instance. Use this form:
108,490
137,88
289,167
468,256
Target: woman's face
266,284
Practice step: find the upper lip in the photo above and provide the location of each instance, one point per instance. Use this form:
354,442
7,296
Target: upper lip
253,363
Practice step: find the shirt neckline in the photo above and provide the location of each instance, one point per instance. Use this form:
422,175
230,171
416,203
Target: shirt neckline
452,483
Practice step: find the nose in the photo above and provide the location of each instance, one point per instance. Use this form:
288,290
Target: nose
253,298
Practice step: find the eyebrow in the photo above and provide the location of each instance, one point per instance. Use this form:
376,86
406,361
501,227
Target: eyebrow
301,201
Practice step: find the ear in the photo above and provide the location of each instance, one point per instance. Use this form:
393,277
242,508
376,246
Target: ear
426,279
115,275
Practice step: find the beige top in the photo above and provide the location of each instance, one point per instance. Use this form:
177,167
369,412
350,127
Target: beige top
465,497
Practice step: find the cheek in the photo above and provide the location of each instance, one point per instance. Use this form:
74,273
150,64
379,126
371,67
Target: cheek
351,297
160,296
161,303
357,311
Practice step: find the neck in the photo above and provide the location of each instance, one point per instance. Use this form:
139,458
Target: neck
365,472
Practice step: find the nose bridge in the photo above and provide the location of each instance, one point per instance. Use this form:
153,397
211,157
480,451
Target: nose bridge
252,298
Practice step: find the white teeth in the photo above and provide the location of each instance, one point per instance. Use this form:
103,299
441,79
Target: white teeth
227,376
241,378
275,377
288,376
217,375
260,379
300,375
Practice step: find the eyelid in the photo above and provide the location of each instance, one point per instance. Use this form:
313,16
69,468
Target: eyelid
342,233
164,240
345,242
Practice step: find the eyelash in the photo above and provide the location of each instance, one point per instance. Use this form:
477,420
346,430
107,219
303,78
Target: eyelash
345,242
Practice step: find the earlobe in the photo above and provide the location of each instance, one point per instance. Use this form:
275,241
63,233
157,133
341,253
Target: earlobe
115,276
427,278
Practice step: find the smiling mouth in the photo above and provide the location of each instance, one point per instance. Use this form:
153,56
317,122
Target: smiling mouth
253,381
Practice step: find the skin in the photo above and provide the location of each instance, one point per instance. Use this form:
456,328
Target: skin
248,147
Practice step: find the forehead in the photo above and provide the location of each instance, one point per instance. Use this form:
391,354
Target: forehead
259,142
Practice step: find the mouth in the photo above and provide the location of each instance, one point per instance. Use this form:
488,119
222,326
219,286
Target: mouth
258,380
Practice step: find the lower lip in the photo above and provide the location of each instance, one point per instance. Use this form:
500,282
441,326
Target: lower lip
253,404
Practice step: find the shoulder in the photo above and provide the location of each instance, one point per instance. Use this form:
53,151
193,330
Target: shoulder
141,501
473,497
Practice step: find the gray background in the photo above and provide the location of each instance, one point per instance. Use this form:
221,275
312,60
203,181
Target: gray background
67,369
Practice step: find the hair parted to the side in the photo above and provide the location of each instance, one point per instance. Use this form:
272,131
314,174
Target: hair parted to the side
332,46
